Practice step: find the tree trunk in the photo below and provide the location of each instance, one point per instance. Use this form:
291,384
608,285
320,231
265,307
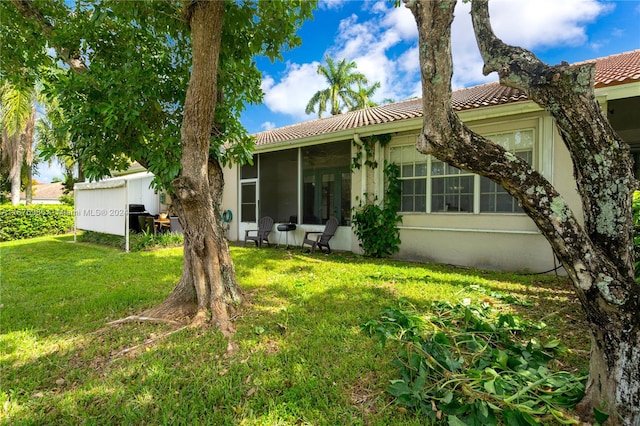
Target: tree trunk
27,140
208,286
598,256
13,149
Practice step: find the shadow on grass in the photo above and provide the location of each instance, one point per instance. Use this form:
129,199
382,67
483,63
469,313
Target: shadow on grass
301,355
301,359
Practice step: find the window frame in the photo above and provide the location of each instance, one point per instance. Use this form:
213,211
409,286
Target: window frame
534,151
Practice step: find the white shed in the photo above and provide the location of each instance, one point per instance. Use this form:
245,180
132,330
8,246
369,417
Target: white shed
103,206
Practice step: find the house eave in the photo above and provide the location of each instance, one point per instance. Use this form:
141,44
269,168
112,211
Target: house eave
399,126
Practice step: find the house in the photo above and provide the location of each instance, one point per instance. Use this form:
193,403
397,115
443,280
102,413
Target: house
44,193
301,173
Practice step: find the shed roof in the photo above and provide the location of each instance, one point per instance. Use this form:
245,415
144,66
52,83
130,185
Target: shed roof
612,70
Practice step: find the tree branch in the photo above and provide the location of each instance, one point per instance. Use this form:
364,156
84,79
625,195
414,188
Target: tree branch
448,139
30,11
601,160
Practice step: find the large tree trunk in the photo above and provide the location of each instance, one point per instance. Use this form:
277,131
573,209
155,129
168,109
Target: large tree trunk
597,256
13,150
208,286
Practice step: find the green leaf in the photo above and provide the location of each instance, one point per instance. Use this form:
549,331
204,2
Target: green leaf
398,388
518,418
490,386
455,421
600,416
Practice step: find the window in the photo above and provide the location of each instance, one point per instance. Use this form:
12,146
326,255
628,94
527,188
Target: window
451,188
430,185
326,189
494,198
413,176
279,185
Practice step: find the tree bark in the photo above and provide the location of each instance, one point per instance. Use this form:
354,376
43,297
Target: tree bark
208,286
598,255
28,155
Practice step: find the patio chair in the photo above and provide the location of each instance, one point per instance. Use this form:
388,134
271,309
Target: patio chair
262,233
147,224
321,240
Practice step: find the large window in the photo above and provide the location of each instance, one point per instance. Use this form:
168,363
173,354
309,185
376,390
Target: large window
451,188
323,179
430,185
279,185
326,189
413,173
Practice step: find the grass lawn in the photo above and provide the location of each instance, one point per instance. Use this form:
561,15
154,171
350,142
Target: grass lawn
302,357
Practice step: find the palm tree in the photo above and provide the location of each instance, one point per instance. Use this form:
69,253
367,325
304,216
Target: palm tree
341,78
18,116
363,96
54,143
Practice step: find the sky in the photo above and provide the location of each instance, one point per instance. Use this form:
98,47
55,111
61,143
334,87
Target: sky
383,42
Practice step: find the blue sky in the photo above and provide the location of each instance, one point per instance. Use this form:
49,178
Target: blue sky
382,40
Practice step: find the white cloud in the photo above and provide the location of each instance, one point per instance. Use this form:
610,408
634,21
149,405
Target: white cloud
292,93
402,21
542,23
527,23
384,46
268,125
331,4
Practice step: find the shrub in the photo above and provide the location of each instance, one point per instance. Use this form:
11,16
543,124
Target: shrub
19,222
374,223
137,241
66,199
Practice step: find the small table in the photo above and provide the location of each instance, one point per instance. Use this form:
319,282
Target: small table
286,228
162,223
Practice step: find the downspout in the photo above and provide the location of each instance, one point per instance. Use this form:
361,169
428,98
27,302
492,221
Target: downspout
363,173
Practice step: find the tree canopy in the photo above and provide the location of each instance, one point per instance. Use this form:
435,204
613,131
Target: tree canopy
340,93
120,73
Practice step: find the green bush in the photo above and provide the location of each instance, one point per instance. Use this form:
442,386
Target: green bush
19,222
137,241
66,199
376,224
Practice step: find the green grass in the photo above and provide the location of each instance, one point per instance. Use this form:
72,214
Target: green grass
302,357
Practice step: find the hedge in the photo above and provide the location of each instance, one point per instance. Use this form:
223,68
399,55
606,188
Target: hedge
19,222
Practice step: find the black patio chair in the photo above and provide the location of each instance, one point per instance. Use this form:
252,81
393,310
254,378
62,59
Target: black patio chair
322,239
262,233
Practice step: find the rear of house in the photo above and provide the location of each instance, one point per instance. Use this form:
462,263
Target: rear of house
301,173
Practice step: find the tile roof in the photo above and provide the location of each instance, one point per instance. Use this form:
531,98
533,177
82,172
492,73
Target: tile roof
612,70
51,191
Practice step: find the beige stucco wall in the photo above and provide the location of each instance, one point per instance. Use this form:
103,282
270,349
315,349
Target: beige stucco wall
230,199
494,241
